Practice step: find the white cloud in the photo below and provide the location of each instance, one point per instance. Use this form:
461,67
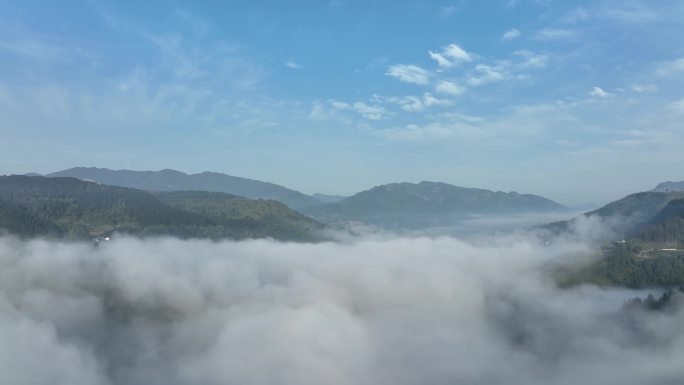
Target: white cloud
600,93
554,34
634,13
409,73
449,88
450,56
457,53
511,34
670,67
328,111
412,103
441,60
429,100
485,74
532,60
369,112
643,87
340,105
293,65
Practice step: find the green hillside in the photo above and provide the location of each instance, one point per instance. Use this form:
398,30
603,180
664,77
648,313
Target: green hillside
628,215
667,225
427,204
72,208
654,257
257,218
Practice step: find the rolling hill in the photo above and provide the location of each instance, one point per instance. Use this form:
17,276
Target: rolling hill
77,209
257,217
172,180
426,204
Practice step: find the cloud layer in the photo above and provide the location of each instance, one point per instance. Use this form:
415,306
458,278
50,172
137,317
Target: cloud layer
372,311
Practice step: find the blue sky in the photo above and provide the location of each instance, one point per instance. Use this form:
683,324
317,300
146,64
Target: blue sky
580,101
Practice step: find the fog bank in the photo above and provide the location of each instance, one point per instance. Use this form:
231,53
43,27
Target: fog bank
369,311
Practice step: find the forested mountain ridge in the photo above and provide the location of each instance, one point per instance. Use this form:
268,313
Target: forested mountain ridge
172,180
625,217
667,225
77,209
424,204
652,257
261,218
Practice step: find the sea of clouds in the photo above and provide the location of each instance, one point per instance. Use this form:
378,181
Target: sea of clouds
364,310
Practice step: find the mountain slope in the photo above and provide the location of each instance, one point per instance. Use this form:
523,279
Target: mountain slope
171,180
427,204
627,215
70,207
261,218
667,225
670,187
18,220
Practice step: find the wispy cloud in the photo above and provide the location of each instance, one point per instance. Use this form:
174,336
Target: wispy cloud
547,34
292,65
409,73
371,112
42,49
485,74
450,56
629,14
647,87
419,104
531,59
449,88
511,34
677,106
600,93
670,67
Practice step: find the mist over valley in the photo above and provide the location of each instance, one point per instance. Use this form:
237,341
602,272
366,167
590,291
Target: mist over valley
341,192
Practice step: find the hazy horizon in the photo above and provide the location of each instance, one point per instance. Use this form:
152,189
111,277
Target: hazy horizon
575,204
577,101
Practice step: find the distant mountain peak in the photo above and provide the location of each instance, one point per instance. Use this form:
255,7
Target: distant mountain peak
670,186
173,180
426,204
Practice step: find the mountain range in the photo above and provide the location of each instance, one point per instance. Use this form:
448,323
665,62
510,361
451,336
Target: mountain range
395,205
77,209
172,180
95,201
427,204
628,216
